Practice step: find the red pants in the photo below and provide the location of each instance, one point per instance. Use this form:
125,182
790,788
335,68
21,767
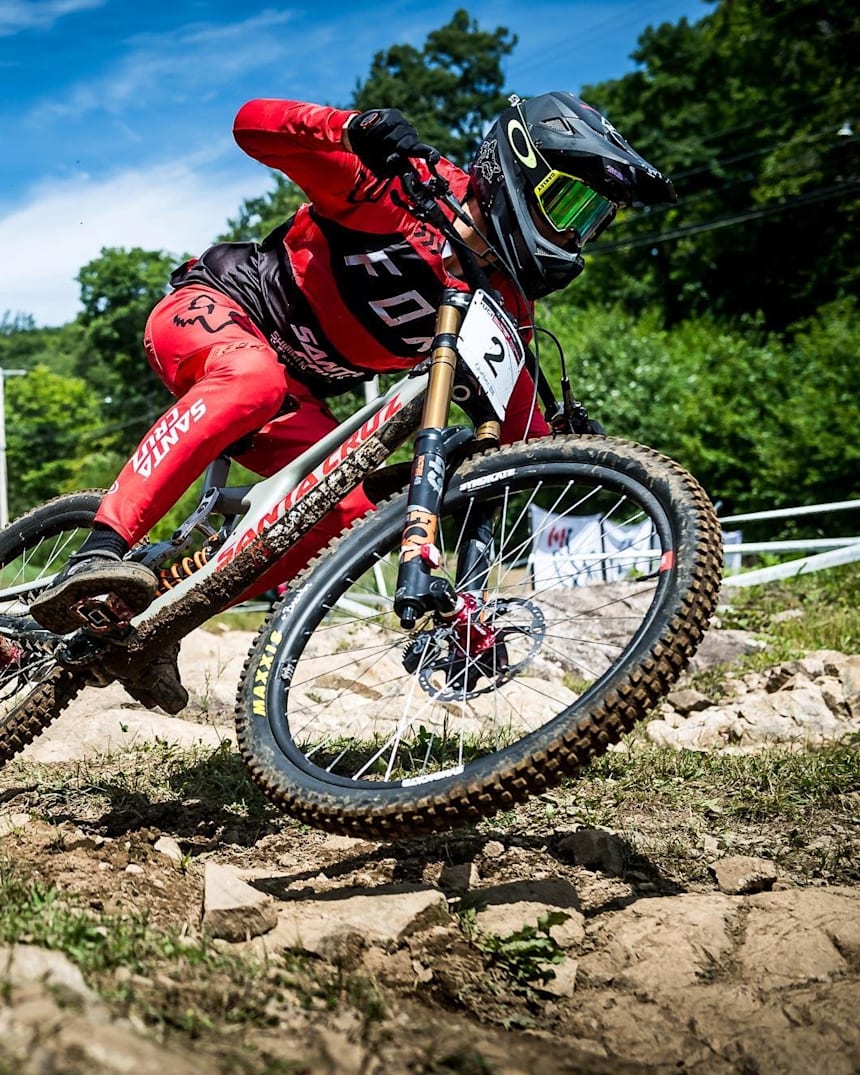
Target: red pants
229,384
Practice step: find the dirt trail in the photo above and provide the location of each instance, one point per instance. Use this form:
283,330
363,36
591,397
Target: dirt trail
740,971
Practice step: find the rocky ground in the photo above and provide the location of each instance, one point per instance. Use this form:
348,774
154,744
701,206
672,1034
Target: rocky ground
607,927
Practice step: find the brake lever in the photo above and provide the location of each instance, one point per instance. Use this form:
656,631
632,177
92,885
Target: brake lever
424,197
424,194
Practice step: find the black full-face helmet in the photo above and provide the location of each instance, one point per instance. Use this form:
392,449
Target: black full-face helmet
549,177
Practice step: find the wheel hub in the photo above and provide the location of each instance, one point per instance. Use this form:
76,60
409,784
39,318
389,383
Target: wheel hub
472,654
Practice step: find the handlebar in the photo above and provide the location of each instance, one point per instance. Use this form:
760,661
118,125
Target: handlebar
424,200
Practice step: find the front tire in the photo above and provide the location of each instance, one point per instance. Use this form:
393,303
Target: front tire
353,726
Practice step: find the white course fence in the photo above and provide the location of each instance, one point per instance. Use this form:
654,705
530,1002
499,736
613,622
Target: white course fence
826,552
587,549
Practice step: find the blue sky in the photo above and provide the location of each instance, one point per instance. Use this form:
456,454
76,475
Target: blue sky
115,117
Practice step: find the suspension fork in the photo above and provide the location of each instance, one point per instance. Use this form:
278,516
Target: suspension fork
418,590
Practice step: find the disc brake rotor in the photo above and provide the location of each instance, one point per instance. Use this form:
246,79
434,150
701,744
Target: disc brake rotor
440,657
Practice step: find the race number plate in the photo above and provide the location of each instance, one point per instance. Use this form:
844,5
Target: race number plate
491,347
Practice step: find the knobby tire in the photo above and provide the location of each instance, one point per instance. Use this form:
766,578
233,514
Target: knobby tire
40,541
311,781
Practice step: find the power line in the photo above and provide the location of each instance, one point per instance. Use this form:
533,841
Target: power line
655,238
590,33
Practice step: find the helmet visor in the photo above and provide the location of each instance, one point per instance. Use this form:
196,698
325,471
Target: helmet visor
571,205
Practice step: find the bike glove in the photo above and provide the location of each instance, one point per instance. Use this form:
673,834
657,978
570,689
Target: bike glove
383,139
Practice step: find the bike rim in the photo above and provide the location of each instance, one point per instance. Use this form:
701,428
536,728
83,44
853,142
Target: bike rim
349,712
26,567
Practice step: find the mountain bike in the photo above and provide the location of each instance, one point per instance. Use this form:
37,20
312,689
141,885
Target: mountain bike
502,617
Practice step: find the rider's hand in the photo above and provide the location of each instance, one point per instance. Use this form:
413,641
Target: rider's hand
383,139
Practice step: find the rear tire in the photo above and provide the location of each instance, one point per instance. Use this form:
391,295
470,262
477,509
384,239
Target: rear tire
34,689
353,726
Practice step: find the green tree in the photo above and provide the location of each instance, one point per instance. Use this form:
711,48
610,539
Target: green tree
742,109
258,216
49,417
23,345
763,419
118,291
450,88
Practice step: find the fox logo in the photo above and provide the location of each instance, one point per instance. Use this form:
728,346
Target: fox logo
202,307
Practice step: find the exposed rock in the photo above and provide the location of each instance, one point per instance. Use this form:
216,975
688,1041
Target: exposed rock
382,917
595,849
801,935
723,647
661,946
459,878
167,846
84,732
713,983
51,1022
851,685
75,839
802,703
740,874
688,701
493,849
563,980
24,964
232,909
506,909
10,822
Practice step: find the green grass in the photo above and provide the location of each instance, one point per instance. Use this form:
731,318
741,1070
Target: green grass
800,808
771,784
829,603
137,786
33,912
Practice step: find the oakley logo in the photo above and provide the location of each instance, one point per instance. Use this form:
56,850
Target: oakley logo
521,143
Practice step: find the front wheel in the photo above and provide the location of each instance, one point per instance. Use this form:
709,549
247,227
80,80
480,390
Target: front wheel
599,571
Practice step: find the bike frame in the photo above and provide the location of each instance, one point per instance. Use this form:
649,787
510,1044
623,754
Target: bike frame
273,513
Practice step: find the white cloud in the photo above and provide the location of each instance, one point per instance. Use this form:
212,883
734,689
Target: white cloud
18,15
190,59
63,225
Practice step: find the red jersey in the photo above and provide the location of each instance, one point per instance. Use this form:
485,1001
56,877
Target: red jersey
349,286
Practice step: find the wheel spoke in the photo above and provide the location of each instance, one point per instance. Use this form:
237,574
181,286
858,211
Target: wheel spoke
32,551
557,553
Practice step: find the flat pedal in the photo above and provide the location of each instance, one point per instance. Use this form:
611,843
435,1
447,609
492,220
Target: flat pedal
105,616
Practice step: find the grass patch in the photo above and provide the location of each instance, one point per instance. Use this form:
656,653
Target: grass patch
216,986
187,986
155,783
676,811
829,607
773,783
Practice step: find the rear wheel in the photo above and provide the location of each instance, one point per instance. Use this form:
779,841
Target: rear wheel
598,583
34,689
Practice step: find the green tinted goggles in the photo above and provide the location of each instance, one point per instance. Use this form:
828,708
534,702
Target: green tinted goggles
571,205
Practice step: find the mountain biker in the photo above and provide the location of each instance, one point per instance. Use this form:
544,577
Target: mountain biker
254,336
